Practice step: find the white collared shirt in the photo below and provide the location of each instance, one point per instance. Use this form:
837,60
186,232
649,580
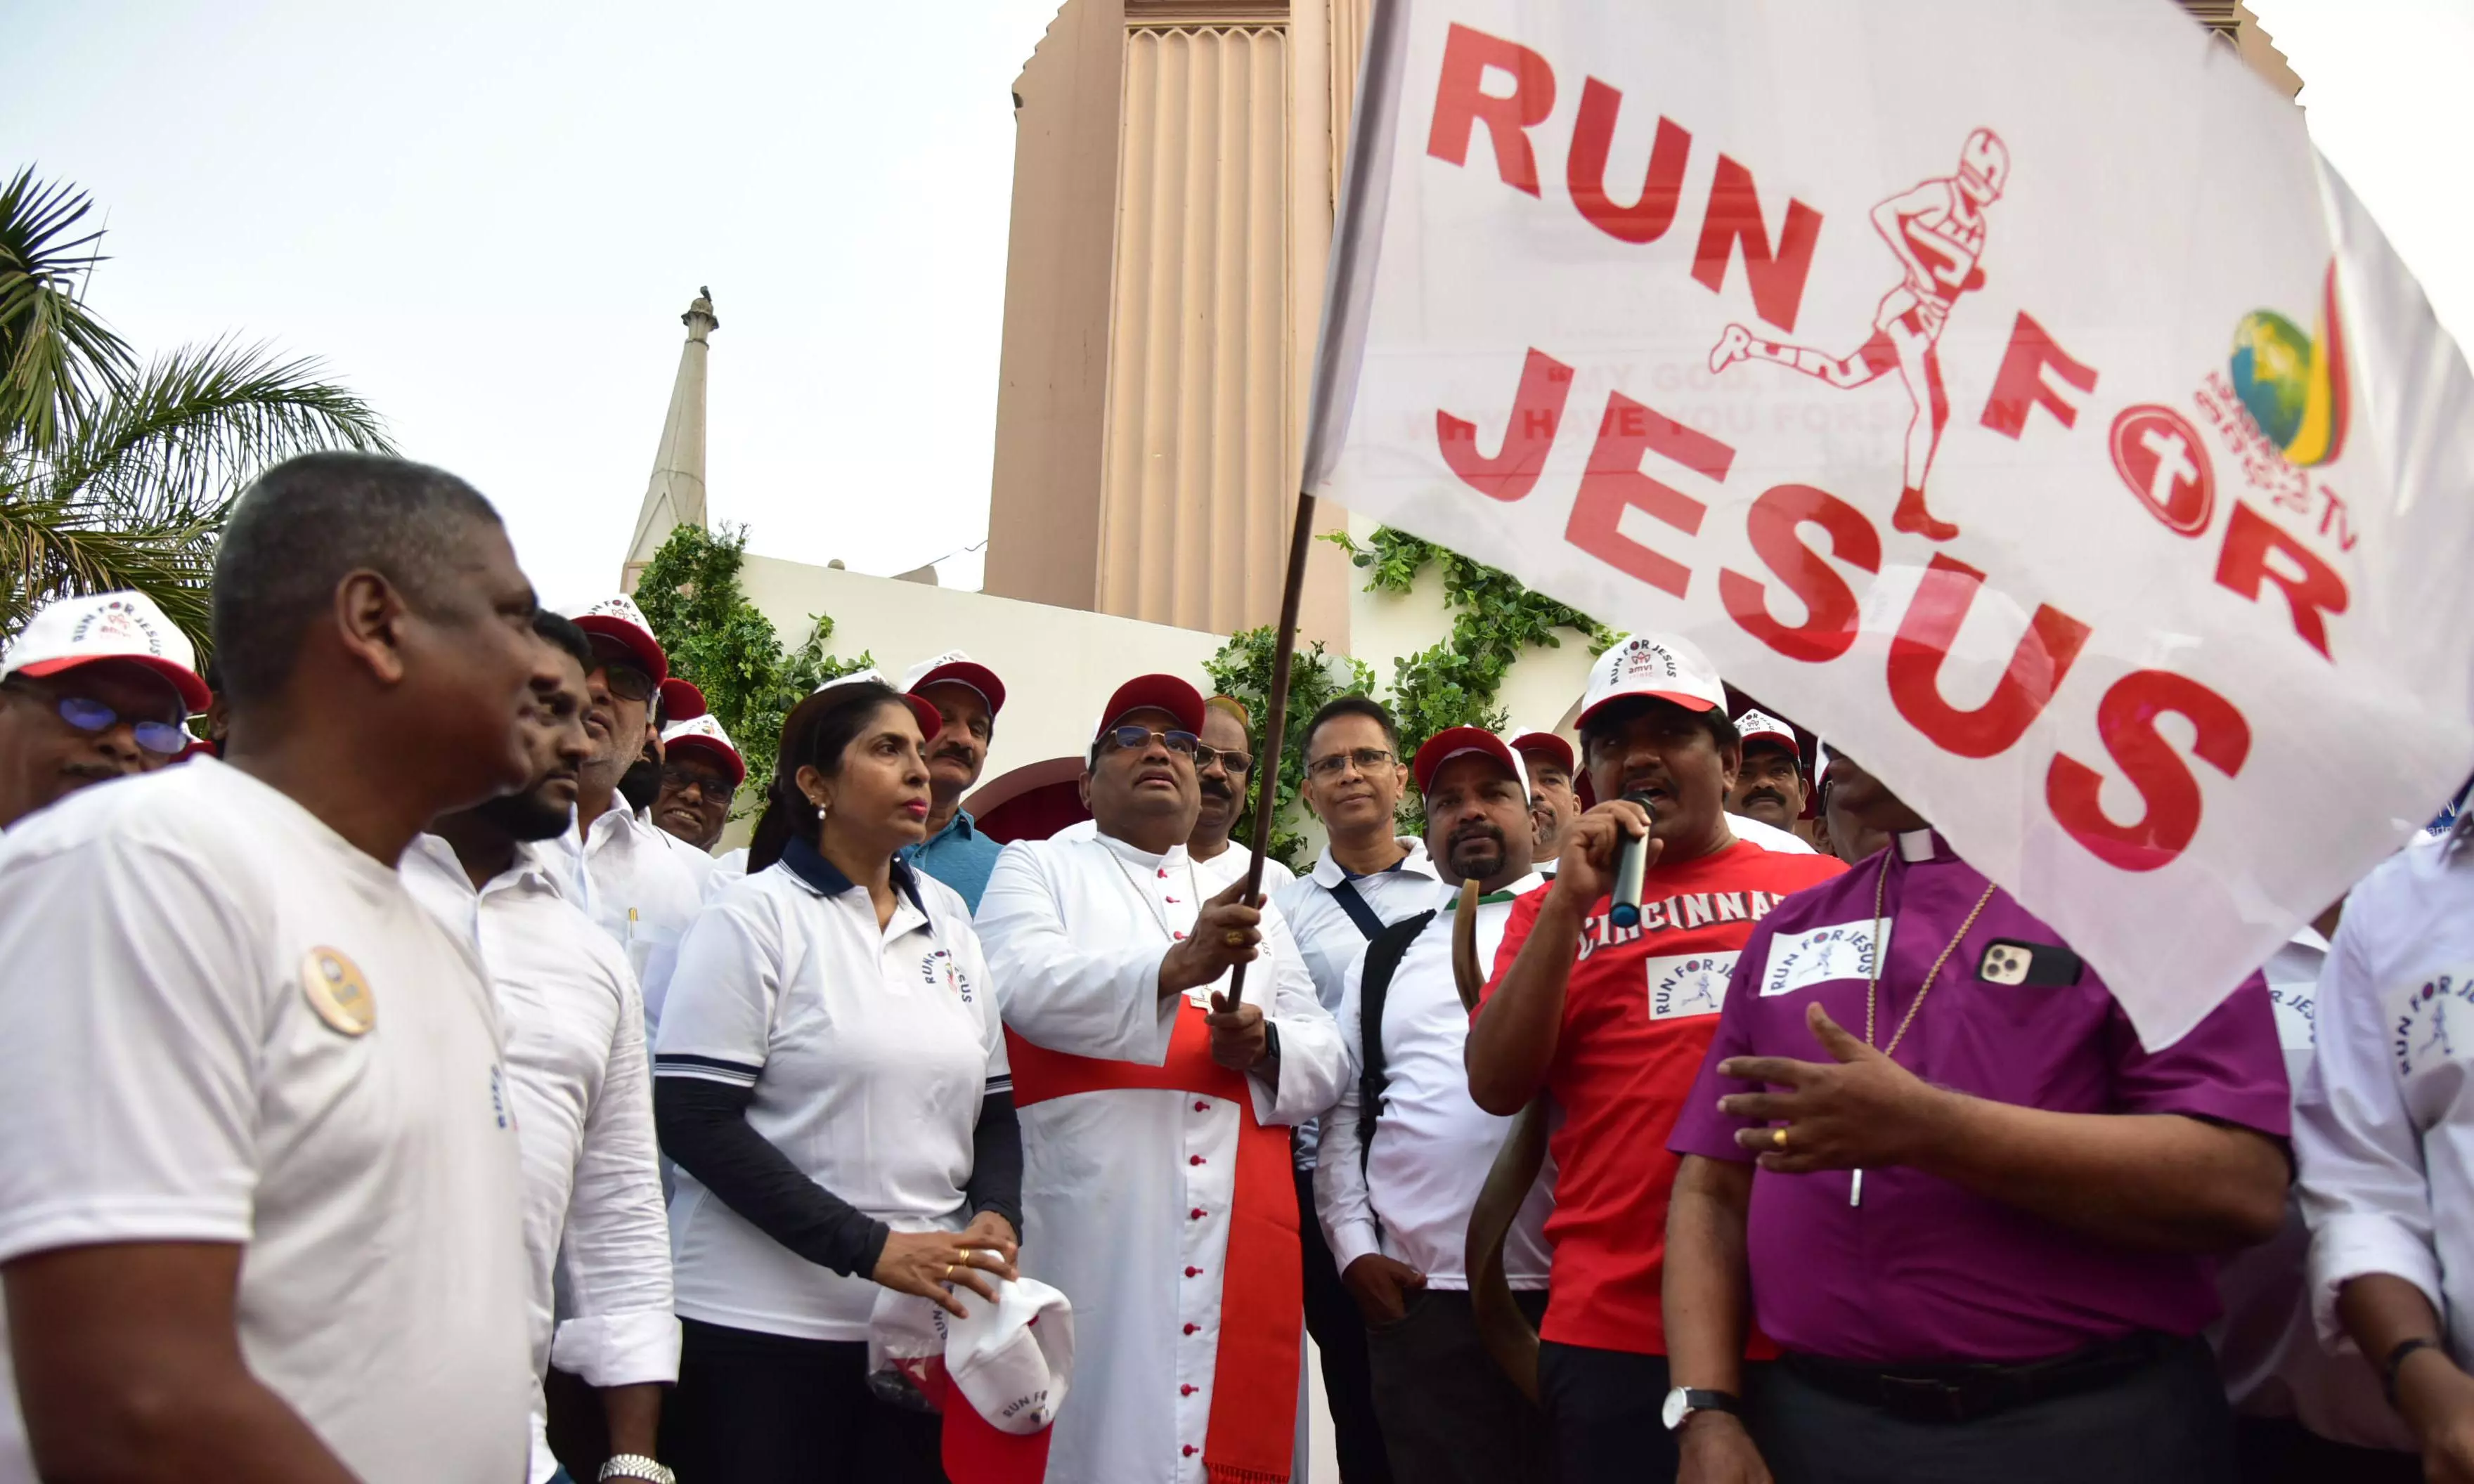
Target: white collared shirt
583,1097
1220,873
1125,1188
1769,837
225,1023
643,884
1409,1198
2384,1126
869,1050
1330,938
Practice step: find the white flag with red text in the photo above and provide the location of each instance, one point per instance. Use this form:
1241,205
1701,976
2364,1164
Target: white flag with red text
2008,392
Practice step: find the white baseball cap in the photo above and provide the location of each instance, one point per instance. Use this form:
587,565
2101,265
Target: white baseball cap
1013,1359
124,625
619,618
1657,666
931,721
961,669
704,734
1757,723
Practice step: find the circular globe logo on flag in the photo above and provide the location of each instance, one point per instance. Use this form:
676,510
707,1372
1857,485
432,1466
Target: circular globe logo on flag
2295,387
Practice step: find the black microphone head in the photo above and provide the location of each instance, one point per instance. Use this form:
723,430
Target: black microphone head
1642,800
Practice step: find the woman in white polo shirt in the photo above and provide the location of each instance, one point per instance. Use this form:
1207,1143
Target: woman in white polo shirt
830,1079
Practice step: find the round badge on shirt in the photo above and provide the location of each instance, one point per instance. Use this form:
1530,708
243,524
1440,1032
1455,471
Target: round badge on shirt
337,990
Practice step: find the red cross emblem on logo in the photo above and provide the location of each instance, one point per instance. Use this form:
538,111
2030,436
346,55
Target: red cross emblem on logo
2160,457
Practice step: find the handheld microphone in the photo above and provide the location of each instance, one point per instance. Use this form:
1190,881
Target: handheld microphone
1632,863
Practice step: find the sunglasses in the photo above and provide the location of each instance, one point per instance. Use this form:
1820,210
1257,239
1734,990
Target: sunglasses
161,738
713,786
1367,759
626,681
1129,738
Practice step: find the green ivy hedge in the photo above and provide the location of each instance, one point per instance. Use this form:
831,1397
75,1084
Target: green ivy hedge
1454,682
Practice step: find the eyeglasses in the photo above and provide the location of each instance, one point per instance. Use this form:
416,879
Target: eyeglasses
1129,738
161,738
711,784
626,681
1367,759
1234,763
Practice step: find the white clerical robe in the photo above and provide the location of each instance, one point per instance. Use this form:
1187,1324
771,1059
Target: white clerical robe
1126,1191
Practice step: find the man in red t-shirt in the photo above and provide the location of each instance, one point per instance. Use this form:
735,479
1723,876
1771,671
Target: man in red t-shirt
1613,1023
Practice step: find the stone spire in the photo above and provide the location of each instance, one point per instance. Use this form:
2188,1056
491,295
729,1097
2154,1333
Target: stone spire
674,496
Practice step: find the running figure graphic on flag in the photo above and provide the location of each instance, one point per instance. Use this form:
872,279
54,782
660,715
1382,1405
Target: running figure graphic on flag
1937,230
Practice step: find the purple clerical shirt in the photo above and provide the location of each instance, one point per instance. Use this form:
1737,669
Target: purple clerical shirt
1923,1270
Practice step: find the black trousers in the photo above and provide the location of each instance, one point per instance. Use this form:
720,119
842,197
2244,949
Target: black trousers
1339,1331
2280,1450
2166,1422
753,1408
1605,1407
1449,1415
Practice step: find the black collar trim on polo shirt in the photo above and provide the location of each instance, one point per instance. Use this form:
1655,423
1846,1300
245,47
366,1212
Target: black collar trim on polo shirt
826,879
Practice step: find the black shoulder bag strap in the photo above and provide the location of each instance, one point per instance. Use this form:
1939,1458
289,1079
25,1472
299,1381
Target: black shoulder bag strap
1382,960
1359,912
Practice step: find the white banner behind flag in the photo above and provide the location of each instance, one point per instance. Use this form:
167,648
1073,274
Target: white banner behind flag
2007,392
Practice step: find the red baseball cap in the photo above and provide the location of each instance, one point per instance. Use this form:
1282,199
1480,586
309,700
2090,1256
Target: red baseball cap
619,618
1453,741
1153,693
1547,744
681,700
962,670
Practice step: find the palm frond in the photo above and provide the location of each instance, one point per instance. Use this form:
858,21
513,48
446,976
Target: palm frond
192,429
52,547
56,358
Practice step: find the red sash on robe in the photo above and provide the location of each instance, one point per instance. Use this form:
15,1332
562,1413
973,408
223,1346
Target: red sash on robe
1252,1435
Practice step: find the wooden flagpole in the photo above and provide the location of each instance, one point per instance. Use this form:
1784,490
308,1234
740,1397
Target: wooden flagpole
1276,724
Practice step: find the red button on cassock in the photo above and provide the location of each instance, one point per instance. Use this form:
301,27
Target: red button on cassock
1179,936
1203,1108
1194,1160
1194,1272
1189,1450
1187,1391
1195,1214
1191,1328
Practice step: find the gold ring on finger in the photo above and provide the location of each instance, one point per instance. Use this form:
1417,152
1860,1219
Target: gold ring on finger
1778,1136
1236,939
949,1271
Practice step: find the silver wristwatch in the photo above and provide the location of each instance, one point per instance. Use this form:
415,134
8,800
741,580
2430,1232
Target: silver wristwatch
636,1465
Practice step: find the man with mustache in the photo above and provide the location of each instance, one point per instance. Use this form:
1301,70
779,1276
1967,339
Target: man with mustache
1769,787
701,770
1224,764
1552,803
630,875
1406,1151
1614,1020
967,695
579,1086
1155,1180
92,689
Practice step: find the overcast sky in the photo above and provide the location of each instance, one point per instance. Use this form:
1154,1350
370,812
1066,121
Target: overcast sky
488,217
